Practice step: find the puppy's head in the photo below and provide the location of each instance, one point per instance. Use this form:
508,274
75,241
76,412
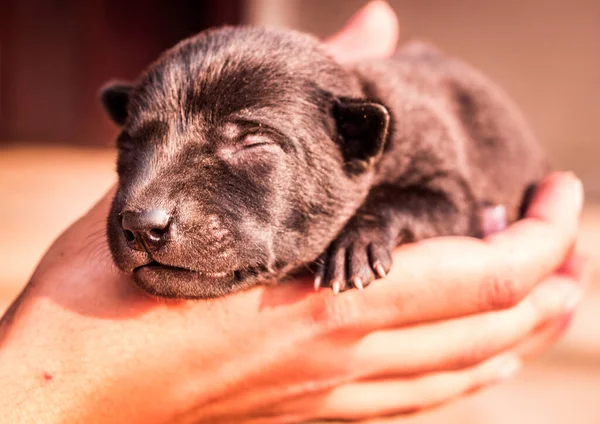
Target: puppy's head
242,154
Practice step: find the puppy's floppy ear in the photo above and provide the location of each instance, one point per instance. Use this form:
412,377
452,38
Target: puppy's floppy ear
362,128
115,99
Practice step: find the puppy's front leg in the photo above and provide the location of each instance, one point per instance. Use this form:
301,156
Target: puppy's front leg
390,216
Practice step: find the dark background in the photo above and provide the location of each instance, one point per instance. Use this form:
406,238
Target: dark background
54,56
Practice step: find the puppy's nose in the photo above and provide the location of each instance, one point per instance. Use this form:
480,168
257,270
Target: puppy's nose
146,230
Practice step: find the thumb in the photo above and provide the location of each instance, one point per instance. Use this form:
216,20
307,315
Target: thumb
372,32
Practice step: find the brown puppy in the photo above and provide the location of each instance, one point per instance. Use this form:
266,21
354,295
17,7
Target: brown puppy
248,152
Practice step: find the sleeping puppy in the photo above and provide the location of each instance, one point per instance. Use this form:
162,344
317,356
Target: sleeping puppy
247,153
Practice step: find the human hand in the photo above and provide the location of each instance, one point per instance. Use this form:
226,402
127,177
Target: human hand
83,344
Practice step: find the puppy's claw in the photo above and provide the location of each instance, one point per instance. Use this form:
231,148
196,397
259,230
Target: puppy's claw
318,281
380,270
336,286
358,283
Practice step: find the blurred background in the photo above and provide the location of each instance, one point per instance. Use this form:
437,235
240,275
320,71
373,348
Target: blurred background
56,145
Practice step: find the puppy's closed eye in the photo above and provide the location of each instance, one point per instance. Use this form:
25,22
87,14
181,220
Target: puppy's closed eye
248,147
255,140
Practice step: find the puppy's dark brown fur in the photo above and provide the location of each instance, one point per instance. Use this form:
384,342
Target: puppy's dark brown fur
248,152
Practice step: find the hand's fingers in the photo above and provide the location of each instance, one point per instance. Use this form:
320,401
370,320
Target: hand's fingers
455,276
550,227
473,340
462,342
371,33
576,267
482,336
542,337
529,327
543,205
367,399
548,333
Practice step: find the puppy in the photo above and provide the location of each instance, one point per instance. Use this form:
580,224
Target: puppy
246,153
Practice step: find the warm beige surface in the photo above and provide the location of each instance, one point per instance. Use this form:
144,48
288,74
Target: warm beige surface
43,190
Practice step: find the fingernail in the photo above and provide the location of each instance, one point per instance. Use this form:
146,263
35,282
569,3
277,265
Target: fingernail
494,220
558,298
578,194
572,300
508,367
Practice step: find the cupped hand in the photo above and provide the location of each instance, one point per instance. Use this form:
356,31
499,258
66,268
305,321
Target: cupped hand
83,344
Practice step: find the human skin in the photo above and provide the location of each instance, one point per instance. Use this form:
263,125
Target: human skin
83,344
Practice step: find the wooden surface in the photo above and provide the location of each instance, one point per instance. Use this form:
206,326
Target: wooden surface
42,190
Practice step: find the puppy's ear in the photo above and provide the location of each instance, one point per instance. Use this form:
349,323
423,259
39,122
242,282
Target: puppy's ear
362,129
115,99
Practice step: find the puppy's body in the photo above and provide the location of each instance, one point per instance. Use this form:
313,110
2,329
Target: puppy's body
453,132
247,152
450,121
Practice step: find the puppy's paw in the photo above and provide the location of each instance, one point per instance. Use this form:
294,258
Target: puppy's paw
360,255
